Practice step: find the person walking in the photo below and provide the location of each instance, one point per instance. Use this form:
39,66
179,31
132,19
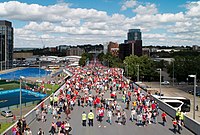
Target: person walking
177,114
28,131
90,118
67,127
174,121
53,128
40,132
123,117
37,112
164,115
109,115
67,112
84,119
133,114
181,118
23,124
179,126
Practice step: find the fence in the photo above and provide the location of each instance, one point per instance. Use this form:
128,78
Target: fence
17,106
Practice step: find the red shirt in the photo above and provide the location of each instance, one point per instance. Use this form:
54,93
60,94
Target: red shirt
164,115
129,93
153,106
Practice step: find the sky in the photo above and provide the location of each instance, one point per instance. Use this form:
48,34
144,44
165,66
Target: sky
50,23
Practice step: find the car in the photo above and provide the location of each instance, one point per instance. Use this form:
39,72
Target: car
165,83
181,83
7,113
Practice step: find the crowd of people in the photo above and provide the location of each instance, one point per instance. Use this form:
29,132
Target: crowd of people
106,94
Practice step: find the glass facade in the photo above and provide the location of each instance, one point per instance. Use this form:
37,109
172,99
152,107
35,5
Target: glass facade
134,34
6,45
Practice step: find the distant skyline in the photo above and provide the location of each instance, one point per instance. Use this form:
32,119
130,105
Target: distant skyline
49,23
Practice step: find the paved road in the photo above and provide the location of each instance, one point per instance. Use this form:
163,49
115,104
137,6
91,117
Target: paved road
115,129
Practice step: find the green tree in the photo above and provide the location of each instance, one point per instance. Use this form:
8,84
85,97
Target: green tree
110,60
184,66
146,67
84,58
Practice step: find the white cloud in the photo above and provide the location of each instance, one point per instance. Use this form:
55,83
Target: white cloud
70,22
147,9
128,4
61,24
193,9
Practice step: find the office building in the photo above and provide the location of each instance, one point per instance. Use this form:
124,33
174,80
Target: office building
130,48
74,51
133,44
105,48
113,48
62,48
6,44
134,34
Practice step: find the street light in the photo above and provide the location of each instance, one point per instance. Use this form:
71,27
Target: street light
194,96
39,69
173,75
159,69
138,73
126,70
20,96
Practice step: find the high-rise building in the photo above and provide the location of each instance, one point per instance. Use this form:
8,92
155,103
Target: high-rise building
132,46
6,44
134,34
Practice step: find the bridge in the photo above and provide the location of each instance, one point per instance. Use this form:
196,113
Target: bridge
131,128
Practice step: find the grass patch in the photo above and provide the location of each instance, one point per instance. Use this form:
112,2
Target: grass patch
9,86
4,126
50,86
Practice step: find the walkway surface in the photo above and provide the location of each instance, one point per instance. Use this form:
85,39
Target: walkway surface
106,129
115,129
131,128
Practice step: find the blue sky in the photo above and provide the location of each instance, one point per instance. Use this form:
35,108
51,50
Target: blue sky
100,21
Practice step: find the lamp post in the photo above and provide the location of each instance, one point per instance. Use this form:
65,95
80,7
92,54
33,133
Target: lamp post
159,69
138,73
173,75
127,70
194,96
39,69
20,96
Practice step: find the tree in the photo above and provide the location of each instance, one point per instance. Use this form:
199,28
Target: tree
184,66
146,67
110,60
84,58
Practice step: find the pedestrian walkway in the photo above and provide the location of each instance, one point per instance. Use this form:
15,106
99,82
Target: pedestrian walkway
95,89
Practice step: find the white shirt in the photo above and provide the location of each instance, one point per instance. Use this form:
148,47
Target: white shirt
109,114
67,125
